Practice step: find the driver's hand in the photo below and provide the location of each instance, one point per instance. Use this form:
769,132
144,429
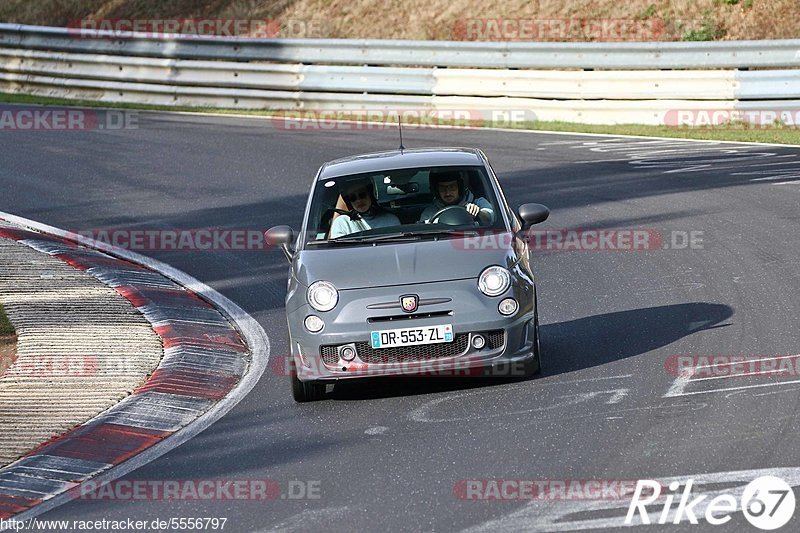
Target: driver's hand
472,209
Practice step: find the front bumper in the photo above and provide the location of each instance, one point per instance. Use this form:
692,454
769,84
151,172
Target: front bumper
469,311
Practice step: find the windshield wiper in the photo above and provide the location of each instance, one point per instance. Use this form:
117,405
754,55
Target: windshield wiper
400,236
368,238
448,232
410,235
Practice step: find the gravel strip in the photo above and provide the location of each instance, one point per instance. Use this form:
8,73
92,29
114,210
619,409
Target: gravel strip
81,348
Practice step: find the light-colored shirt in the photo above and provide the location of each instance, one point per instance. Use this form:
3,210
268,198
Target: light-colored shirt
344,225
485,215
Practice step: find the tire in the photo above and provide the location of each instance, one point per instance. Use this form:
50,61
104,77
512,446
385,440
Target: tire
533,366
306,391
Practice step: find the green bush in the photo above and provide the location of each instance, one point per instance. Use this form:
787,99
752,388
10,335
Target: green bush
5,326
709,30
648,13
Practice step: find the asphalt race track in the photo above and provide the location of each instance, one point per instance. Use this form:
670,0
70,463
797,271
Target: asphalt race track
392,454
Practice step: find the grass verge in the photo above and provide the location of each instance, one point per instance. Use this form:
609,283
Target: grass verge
6,329
740,133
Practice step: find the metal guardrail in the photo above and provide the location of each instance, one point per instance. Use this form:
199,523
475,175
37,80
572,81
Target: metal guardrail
645,55
623,85
626,85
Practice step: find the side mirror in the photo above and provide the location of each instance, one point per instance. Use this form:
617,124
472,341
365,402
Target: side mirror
533,214
282,236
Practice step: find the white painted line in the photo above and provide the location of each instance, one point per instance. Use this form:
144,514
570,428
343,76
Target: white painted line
768,178
728,389
795,182
254,335
590,161
793,157
743,375
314,520
679,384
667,149
583,380
746,361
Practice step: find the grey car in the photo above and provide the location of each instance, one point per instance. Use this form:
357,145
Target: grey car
409,262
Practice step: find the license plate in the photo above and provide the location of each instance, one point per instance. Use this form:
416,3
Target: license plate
412,336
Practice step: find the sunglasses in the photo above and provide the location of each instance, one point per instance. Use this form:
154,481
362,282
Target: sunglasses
356,196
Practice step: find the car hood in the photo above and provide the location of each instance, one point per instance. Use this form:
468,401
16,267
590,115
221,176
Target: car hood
359,267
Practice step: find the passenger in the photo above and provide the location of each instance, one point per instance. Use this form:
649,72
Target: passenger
449,189
365,213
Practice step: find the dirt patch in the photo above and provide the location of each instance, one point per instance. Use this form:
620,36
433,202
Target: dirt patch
8,352
433,19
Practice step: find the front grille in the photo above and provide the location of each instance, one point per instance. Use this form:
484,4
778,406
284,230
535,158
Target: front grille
393,318
330,355
404,354
495,339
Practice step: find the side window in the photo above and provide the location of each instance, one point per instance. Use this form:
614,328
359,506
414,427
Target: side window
423,180
325,214
476,184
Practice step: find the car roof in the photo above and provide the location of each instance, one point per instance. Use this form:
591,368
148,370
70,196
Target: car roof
395,159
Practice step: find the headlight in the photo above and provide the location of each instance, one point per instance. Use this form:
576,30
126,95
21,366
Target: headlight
508,307
322,296
314,324
494,281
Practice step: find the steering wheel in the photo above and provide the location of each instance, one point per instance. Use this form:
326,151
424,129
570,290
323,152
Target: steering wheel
453,208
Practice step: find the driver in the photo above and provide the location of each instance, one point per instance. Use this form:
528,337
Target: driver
448,189
364,211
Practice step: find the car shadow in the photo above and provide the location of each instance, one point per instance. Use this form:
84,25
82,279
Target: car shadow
567,347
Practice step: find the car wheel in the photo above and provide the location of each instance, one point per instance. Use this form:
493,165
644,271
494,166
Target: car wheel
306,391
533,366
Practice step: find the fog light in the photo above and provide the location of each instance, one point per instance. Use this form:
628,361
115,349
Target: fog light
478,342
508,307
348,353
314,324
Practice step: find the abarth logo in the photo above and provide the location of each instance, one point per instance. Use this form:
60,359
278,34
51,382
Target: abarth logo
409,303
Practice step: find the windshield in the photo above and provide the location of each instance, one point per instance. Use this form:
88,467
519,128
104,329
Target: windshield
402,205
